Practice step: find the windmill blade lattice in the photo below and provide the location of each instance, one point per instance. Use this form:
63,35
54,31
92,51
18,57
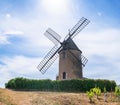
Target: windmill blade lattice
77,28
48,59
84,60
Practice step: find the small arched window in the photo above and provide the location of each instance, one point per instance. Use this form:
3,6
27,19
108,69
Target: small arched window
64,75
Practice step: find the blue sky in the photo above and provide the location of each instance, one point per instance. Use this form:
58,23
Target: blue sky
23,44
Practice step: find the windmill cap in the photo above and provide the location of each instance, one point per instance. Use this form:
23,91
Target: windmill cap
69,44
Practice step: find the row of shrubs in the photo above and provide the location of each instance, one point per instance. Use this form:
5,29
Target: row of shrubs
74,85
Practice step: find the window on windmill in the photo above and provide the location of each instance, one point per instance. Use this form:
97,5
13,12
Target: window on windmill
64,75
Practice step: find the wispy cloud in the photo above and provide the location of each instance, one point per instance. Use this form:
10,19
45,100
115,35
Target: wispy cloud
3,40
102,50
13,32
102,42
5,35
21,66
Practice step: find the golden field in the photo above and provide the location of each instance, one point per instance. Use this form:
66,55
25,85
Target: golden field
10,97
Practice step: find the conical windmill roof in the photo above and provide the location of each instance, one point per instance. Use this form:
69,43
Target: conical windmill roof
69,44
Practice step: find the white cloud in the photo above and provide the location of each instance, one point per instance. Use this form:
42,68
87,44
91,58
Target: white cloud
5,76
3,40
32,29
5,35
21,66
103,43
102,50
13,32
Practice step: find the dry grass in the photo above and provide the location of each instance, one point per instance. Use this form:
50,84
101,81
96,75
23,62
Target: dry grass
9,97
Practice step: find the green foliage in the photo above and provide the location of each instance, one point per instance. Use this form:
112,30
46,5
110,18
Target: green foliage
93,92
117,91
97,91
74,85
90,94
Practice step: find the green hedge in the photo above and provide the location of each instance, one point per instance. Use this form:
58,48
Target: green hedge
74,85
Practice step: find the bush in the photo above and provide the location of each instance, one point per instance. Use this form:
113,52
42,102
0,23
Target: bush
74,85
97,91
90,95
117,91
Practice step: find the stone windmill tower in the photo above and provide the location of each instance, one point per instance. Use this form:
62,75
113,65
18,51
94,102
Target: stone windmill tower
71,60
70,65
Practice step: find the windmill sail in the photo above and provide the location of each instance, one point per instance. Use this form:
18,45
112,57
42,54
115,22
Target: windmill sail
53,36
77,28
48,59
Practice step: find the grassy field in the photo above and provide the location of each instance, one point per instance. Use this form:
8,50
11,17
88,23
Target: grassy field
10,97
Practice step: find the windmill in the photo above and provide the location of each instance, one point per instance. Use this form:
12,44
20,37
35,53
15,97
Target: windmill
71,60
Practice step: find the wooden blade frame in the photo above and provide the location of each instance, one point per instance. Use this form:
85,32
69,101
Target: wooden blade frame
48,59
84,60
77,28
